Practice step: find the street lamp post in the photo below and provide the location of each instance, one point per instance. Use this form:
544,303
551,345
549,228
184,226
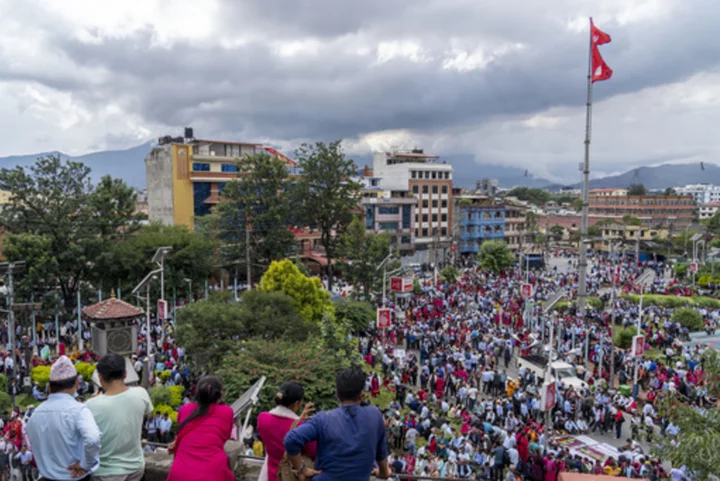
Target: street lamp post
11,268
190,297
383,265
159,259
145,283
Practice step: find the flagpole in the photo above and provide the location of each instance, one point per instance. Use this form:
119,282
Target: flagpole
582,261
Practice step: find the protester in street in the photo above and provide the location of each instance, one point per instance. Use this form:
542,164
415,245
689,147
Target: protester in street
119,413
62,432
351,439
272,427
204,428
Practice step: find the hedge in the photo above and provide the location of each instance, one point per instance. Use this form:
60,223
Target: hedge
673,301
163,409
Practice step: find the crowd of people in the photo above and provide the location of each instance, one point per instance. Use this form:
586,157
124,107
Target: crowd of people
462,405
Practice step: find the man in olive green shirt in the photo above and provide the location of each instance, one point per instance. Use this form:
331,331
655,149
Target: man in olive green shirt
119,414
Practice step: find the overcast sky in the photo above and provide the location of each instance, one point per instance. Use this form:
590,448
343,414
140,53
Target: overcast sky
503,80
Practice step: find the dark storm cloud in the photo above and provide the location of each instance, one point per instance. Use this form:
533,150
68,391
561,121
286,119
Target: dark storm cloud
337,93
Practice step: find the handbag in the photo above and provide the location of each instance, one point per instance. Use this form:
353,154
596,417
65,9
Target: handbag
285,472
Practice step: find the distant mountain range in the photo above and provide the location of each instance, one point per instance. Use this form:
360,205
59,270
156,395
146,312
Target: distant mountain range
130,165
661,176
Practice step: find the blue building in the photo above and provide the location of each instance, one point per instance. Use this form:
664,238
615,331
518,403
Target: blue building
478,222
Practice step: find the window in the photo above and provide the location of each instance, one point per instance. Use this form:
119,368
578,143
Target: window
434,175
425,217
197,167
425,203
369,217
424,232
435,189
444,189
393,240
435,203
406,210
447,175
416,232
427,174
389,226
443,217
413,174
434,217
425,189
443,231
221,187
416,189
201,191
388,210
405,239
229,168
443,204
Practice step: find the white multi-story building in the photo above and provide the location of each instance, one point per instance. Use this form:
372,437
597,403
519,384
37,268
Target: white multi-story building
429,180
702,193
705,211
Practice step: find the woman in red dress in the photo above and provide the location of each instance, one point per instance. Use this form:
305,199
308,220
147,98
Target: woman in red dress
374,385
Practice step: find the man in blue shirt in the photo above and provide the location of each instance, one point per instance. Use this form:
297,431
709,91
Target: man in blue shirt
350,439
62,432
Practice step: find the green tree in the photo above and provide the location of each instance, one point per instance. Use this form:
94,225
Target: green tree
60,224
417,288
359,315
637,189
557,232
713,223
130,258
534,196
696,444
208,329
310,299
594,231
623,336
335,337
272,315
631,220
576,204
326,194
257,202
281,361
688,317
450,274
670,191
495,256
361,254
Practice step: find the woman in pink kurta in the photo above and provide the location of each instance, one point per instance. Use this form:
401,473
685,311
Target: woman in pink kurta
272,427
204,427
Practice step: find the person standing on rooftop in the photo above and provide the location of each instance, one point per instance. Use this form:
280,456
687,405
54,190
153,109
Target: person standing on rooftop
119,413
62,432
351,439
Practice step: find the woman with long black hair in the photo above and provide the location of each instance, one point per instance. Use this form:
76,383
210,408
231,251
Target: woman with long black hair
204,427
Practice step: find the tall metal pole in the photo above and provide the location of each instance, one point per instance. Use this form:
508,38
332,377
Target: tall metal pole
247,258
147,321
582,259
547,423
612,318
81,344
11,332
206,288
636,390
34,326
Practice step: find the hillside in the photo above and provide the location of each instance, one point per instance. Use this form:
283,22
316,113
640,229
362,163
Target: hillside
661,177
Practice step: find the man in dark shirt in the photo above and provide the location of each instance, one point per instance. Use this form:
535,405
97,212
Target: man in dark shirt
350,439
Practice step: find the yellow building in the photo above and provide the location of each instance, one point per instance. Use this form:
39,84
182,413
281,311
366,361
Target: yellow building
5,197
186,179
632,232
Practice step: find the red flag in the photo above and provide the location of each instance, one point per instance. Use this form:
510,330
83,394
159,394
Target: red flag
598,36
600,70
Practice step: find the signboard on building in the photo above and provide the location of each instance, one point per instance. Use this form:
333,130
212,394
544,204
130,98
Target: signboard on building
162,309
548,396
383,318
526,289
401,284
638,346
